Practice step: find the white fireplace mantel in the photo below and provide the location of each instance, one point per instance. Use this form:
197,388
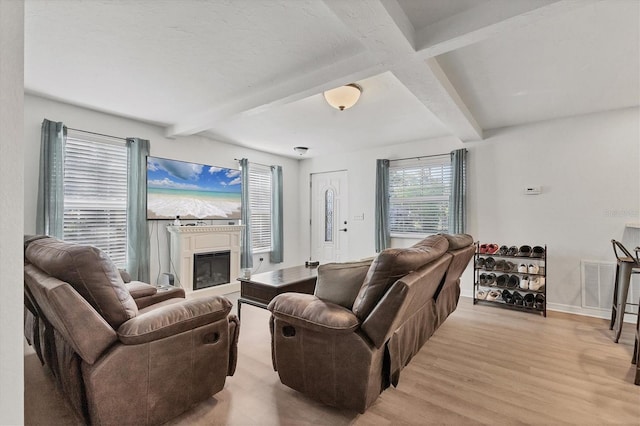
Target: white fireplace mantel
189,240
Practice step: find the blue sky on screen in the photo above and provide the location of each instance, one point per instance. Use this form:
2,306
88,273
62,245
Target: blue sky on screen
172,174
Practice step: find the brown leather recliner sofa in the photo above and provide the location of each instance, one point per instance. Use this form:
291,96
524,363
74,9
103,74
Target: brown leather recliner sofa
122,353
349,341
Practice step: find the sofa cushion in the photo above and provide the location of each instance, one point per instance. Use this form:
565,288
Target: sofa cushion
458,241
391,265
340,283
90,272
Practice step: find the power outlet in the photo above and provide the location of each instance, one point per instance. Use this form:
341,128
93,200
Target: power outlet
261,259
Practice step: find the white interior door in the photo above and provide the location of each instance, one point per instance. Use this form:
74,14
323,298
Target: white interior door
329,214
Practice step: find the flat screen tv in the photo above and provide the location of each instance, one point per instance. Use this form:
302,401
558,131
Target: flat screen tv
191,190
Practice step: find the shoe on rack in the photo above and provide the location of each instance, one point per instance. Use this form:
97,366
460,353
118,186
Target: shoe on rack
522,268
507,296
514,281
518,299
539,303
482,294
482,279
483,248
494,295
529,299
491,279
480,263
502,251
501,281
536,284
524,283
524,251
533,269
489,263
537,251
500,265
510,267
492,248
513,250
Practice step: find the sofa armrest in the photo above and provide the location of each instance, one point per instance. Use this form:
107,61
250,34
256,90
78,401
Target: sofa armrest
162,293
139,289
308,311
173,319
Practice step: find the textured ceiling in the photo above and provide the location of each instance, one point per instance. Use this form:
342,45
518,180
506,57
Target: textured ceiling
252,72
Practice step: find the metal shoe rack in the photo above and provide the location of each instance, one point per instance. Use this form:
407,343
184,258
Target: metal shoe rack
486,284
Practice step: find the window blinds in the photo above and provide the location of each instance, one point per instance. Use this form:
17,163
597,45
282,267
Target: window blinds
260,204
419,192
95,194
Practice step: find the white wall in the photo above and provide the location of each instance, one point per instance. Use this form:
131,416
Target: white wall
11,211
192,148
588,167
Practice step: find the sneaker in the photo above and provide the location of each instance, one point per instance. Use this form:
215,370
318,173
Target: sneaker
489,263
514,281
490,279
524,283
522,268
518,299
533,269
494,295
529,299
536,284
480,263
482,294
539,302
507,296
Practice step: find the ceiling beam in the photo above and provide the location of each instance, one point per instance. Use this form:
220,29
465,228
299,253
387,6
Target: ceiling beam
428,82
281,92
487,20
391,43
386,32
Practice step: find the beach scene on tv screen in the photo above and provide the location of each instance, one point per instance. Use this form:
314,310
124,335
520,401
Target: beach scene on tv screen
191,191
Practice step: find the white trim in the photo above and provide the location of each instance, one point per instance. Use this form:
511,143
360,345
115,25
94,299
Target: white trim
576,310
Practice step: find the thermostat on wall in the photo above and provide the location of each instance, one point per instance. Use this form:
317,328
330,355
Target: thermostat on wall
532,190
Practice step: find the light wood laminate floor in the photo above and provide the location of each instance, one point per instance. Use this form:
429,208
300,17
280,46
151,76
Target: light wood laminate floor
483,366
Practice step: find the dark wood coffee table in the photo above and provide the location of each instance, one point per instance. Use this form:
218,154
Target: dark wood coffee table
261,288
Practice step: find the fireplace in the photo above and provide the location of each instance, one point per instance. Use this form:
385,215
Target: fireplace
211,269
187,241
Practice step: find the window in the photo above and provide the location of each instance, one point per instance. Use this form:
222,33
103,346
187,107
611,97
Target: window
260,205
95,193
419,192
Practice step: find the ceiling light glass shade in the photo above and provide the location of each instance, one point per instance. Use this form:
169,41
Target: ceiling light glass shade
343,97
301,149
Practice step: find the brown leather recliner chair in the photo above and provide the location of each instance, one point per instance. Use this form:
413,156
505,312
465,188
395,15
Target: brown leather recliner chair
347,343
119,359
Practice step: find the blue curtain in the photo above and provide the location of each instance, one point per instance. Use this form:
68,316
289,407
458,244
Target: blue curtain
457,199
49,216
246,255
276,215
383,235
138,250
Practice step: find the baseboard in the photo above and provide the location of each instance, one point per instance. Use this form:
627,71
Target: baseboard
577,310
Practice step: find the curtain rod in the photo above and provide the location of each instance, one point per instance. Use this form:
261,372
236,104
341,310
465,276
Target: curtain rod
259,164
420,157
94,133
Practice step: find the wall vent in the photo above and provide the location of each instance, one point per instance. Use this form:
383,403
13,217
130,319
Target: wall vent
598,282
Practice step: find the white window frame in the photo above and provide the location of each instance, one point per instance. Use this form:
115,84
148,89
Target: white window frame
260,199
95,193
419,189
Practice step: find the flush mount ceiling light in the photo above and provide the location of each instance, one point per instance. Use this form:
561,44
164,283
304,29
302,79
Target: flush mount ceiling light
343,97
301,150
